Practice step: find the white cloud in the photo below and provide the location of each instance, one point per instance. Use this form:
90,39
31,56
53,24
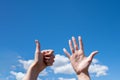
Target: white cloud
25,63
39,79
60,60
94,61
13,67
43,73
62,65
19,57
66,78
18,75
98,69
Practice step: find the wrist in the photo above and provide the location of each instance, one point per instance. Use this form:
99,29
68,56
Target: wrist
33,71
31,74
83,76
37,68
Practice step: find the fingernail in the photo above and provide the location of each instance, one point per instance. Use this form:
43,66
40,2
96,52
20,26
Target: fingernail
69,40
79,37
64,49
73,37
36,41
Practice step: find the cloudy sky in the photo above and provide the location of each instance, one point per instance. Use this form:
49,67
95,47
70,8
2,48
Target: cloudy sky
53,23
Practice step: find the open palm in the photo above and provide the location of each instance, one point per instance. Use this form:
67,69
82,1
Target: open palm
78,59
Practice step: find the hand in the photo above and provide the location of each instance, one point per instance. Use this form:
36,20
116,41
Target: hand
78,59
42,58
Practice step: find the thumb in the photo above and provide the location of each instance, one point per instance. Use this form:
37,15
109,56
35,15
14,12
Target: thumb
90,57
37,46
50,52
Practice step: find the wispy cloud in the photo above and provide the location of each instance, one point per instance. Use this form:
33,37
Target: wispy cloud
18,75
98,69
25,63
61,66
66,78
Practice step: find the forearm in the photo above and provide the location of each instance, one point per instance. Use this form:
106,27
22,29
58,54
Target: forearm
83,76
32,73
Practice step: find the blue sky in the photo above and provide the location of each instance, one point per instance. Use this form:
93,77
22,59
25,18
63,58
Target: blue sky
53,23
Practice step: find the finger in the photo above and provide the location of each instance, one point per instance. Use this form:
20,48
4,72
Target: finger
75,43
66,52
80,42
71,46
48,52
92,55
52,56
47,58
49,62
37,46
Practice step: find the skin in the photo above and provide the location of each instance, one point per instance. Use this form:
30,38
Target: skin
79,61
41,61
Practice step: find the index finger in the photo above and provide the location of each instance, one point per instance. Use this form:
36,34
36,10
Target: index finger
48,52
